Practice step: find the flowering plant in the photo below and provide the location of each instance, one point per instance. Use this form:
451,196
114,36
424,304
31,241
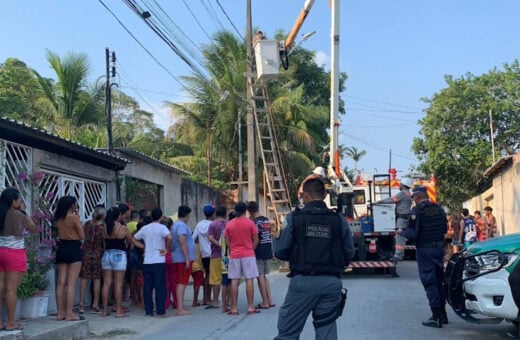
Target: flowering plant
39,245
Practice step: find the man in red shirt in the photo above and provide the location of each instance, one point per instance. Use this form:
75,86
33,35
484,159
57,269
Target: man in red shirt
241,237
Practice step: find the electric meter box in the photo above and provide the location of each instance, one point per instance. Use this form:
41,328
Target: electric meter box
384,217
267,57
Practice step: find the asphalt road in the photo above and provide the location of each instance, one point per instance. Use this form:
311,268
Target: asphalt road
378,307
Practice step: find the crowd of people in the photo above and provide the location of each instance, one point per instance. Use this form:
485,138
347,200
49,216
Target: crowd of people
142,256
465,229
151,258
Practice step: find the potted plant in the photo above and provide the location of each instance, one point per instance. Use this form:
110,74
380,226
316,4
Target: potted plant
32,289
39,245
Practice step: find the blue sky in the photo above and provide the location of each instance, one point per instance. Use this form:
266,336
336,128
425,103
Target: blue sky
394,52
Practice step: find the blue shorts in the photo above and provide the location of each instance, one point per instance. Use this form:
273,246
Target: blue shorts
225,281
114,259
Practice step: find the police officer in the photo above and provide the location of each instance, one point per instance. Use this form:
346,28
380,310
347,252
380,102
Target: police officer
403,204
427,227
317,242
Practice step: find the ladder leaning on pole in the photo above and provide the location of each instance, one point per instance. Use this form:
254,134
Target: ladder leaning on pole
279,203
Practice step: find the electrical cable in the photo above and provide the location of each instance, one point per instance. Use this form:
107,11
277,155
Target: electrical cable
213,16
175,32
150,22
145,49
229,19
196,20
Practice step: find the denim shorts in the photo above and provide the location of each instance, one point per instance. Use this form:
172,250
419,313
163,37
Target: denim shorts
114,259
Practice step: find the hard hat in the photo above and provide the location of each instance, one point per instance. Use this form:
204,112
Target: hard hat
319,171
407,182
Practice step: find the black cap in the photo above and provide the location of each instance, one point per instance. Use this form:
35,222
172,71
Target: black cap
417,189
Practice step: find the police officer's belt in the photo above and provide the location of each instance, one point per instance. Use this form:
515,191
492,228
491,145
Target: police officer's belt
294,273
405,216
431,244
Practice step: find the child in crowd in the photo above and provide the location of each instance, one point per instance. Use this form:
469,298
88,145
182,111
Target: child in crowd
197,274
171,273
226,283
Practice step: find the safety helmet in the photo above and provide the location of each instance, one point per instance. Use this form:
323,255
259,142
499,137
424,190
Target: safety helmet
319,171
407,182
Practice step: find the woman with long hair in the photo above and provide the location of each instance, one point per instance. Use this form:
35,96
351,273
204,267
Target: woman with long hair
13,258
92,254
114,260
69,255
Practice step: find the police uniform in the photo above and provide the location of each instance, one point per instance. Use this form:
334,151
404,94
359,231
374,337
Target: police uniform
403,203
427,227
318,244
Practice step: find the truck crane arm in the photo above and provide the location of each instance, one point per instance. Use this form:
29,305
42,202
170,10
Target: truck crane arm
289,41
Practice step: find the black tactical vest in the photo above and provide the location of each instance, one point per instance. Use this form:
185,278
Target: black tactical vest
318,242
432,224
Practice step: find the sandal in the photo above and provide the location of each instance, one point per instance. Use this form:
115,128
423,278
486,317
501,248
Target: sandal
18,327
81,309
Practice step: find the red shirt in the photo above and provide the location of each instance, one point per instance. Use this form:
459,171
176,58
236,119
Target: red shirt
239,232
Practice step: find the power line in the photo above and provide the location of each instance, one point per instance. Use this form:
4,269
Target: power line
393,118
196,19
145,49
229,19
386,103
379,108
213,16
158,12
150,22
380,147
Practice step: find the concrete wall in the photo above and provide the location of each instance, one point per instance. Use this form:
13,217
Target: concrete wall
503,197
507,200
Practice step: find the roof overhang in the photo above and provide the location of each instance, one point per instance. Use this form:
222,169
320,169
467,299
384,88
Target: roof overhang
498,166
141,156
21,133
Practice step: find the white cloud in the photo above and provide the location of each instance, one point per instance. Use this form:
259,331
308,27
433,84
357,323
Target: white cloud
322,59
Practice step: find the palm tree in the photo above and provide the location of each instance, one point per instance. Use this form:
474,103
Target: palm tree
353,153
69,102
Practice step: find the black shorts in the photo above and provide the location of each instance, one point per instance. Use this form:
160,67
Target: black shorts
69,251
205,264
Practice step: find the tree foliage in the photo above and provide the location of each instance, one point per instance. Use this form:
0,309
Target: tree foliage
455,145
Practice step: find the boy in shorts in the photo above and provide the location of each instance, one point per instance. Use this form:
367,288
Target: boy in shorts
197,274
226,282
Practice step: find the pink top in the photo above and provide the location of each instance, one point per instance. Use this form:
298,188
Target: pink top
239,232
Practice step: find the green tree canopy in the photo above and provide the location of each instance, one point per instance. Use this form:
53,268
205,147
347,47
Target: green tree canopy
455,145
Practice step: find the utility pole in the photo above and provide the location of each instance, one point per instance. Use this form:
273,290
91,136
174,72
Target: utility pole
252,192
334,87
491,135
239,128
108,97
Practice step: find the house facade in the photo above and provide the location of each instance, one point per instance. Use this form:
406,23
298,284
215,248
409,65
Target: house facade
503,196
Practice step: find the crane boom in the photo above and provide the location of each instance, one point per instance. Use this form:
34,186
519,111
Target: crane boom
298,24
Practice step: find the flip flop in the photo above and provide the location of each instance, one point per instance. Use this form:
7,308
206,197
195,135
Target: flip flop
17,328
95,310
273,305
80,319
210,307
81,309
124,315
251,312
195,304
259,306
232,313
